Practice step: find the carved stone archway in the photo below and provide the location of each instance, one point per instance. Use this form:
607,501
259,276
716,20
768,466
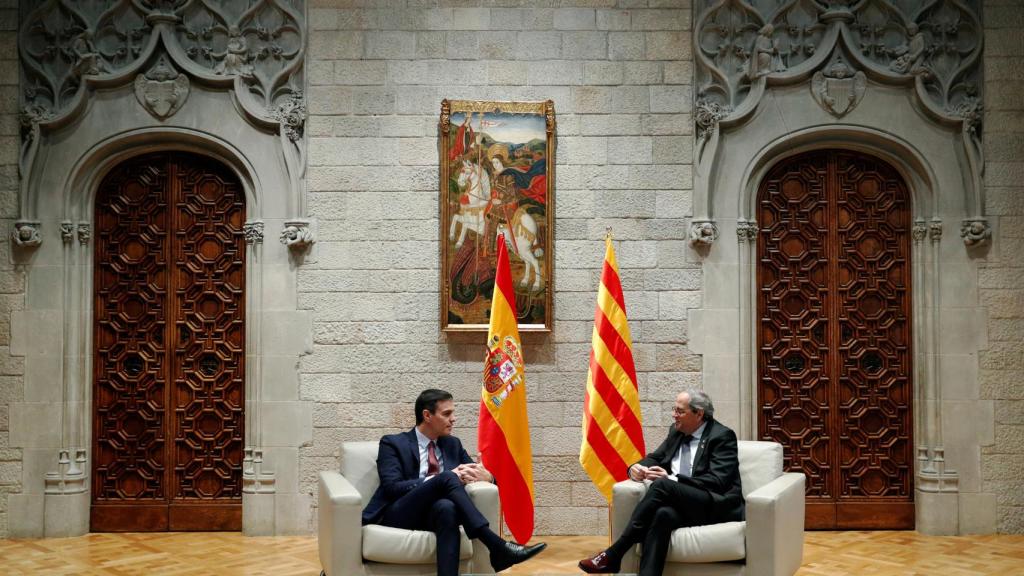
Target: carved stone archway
779,79
187,76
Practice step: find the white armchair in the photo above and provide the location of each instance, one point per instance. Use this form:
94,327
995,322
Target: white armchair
347,548
769,543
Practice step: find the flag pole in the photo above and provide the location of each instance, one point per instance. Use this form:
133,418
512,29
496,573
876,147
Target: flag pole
608,237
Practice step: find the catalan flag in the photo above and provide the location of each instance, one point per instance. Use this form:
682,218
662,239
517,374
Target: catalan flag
503,434
613,437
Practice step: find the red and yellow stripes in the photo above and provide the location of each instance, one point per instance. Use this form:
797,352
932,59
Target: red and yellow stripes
612,434
503,434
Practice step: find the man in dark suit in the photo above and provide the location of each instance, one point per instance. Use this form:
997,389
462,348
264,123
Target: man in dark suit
695,481
422,477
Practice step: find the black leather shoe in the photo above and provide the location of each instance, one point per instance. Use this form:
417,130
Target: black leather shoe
512,554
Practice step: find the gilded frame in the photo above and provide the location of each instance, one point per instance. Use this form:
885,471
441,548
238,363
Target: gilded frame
497,173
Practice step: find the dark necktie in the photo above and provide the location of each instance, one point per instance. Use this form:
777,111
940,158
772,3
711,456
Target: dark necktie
684,457
433,467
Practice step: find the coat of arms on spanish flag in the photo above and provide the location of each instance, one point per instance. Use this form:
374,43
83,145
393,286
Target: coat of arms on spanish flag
503,435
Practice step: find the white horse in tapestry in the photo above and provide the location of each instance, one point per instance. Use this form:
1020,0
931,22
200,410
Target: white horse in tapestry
475,184
523,243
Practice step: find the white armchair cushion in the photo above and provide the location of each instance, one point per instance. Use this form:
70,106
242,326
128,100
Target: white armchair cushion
760,463
711,543
398,546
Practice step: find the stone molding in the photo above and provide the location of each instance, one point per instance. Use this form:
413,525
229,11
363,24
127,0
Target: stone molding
254,479
253,231
253,50
298,235
71,476
703,232
742,50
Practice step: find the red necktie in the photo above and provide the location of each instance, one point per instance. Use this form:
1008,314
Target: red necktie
432,465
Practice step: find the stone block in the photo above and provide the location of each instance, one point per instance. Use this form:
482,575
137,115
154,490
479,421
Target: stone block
1003,303
591,100
675,305
507,73
664,331
360,72
584,45
25,515
673,46
258,514
471,19
666,124
44,379
320,72
671,99
66,515
1009,412
679,72
539,46
661,20
673,203
390,44
676,358
552,493
613,19
286,424
575,19
631,99
293,514
555,520
280,376
335,45
625,46
603,73
35,425
538,18
1003,42
555,73
999,385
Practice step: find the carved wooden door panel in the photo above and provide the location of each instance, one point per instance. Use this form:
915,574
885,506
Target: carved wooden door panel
834,342
169,346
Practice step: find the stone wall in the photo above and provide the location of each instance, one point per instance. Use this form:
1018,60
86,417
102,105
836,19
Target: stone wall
12,284
620,78
1001,288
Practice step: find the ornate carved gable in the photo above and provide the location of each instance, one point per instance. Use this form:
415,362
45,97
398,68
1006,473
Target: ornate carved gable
931,48
252,49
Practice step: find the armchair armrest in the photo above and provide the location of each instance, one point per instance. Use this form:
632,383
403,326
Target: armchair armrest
484,496
340,525
626,495
775,526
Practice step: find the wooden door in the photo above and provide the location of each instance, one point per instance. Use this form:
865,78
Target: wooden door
834,342
169,346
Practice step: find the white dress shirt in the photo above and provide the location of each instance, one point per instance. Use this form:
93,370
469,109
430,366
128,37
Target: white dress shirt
423,442
677,460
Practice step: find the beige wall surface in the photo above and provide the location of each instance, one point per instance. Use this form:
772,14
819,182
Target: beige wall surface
620,73
1001,275
12,279
620,76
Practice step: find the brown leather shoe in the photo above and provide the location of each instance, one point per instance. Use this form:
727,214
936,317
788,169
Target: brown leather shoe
600,564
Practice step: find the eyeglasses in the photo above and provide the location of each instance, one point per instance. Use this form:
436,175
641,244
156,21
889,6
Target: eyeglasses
678,412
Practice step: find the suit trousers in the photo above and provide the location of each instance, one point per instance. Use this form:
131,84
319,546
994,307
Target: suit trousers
666,506
439,505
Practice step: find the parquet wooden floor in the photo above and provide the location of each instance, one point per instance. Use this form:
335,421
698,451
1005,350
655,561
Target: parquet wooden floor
224,553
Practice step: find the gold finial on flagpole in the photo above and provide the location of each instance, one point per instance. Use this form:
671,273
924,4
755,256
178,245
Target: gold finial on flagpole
608,233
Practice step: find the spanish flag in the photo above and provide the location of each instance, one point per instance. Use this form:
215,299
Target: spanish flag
613,438
503,435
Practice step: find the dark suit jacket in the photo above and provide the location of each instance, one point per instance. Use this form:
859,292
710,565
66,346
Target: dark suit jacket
398,465
716,468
